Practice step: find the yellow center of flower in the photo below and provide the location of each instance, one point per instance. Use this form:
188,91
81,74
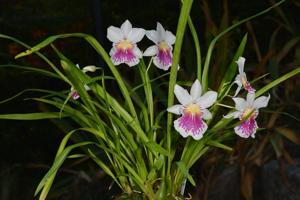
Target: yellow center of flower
248,113
163,46
193,109
125,44
244,81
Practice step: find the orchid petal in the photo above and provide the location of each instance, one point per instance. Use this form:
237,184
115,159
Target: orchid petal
182,95
86,87
170,38
206,114
126,27
208,99
151,51
136,35
238,89
196,89
241,63
250,97
261,102
153,36
89,68
137,52
176,109
238,80
159,64
114,34
160,29
234,115
240,103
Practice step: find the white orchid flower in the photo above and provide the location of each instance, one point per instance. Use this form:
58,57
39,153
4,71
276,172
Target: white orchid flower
90,68
162,50
193,108
241,78
247,110
124,40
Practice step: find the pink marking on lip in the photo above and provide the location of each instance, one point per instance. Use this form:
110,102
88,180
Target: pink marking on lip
247,128
249,88
124,55
192,123
164,57
75,95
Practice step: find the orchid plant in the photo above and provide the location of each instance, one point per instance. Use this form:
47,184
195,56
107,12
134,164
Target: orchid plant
137,136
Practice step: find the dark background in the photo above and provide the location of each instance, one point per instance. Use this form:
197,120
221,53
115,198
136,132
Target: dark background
27,148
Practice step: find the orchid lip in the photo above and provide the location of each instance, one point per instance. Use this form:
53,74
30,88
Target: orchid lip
125,41
124,54
247,112
247,128
192,125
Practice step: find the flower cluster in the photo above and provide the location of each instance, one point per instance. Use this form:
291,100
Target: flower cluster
125,49
193,108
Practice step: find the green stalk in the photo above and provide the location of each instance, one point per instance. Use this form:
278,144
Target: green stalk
148,90
184,14
197,47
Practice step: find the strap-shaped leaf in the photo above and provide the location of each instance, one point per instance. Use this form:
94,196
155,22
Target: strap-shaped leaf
185,172
219,145
32,116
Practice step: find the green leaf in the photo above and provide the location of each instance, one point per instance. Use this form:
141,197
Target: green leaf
185,172
181,27
148,90
62,153
277,81
155,148
101,51
104,167
33,116
218,145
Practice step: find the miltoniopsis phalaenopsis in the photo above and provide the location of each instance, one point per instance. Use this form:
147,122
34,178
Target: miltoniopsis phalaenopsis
193,108
162,50
241,78
247,112
125,41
